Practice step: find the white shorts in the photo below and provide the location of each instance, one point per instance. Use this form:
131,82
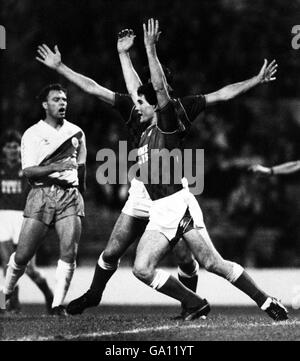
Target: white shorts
166,213
139,202
10,225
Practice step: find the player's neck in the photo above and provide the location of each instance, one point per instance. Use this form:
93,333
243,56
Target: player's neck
154,119
54,122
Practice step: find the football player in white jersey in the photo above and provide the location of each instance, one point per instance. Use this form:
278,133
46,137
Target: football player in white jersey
53,153
13,192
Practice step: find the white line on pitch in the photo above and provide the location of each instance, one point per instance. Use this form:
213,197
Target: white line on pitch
151,329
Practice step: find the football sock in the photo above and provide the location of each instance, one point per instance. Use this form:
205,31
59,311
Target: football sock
102,274
246,284
167,284
13,273
189,276
63,277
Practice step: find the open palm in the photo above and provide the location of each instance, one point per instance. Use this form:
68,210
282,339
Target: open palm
48,57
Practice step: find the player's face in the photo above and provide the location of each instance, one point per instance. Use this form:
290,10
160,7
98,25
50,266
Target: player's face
145,109
12,151
56,104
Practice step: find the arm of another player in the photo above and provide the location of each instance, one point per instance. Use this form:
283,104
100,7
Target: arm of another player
53,60
265,75
151,36
284,168
81,161
132,80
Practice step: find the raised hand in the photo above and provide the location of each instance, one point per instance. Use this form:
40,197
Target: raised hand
48,57
151,32
267,72
125,40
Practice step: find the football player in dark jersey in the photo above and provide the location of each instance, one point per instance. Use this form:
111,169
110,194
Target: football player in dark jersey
13,192
172,200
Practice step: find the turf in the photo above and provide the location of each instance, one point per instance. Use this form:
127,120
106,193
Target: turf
145,323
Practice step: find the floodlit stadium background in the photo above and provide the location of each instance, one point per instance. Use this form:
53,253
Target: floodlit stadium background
207,44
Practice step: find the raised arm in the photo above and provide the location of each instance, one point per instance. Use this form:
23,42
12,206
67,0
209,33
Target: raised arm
284,168
151,36
53,60
132,80
265,75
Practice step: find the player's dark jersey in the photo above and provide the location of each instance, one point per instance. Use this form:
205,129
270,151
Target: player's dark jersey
153,139
13,188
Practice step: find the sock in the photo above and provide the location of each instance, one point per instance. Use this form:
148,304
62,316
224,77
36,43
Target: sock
102,274
246,284
13,273
63,276
167,284
189,277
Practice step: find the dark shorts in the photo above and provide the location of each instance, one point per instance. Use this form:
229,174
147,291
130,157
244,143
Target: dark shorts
49,204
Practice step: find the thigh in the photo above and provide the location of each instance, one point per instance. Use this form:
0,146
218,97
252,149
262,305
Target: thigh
201,245
32,234
68,230
151,249
126,230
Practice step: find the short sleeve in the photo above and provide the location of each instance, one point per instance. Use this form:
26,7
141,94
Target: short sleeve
28,151
193,106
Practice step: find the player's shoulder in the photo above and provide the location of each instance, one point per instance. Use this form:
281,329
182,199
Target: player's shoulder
32,130
72,126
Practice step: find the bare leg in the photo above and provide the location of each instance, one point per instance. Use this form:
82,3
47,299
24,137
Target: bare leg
31,235
151,249
35,275
126,230
187,265
69,231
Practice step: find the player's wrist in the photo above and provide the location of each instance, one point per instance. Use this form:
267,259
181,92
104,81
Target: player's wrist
59,67
122,51
150,48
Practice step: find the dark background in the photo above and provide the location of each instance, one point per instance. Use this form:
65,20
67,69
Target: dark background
207,44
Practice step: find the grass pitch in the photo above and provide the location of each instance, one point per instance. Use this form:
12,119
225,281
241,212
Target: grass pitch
147,323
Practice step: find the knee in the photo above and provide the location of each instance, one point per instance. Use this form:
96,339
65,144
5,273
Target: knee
143,273
111,255
185,259
21,259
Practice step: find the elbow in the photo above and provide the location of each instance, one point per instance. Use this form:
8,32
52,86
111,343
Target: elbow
159,88
91,89
27,173
225,96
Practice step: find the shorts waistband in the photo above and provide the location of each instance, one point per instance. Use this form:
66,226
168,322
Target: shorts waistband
54,185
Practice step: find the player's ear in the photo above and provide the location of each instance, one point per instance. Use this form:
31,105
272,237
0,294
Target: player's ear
45,105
